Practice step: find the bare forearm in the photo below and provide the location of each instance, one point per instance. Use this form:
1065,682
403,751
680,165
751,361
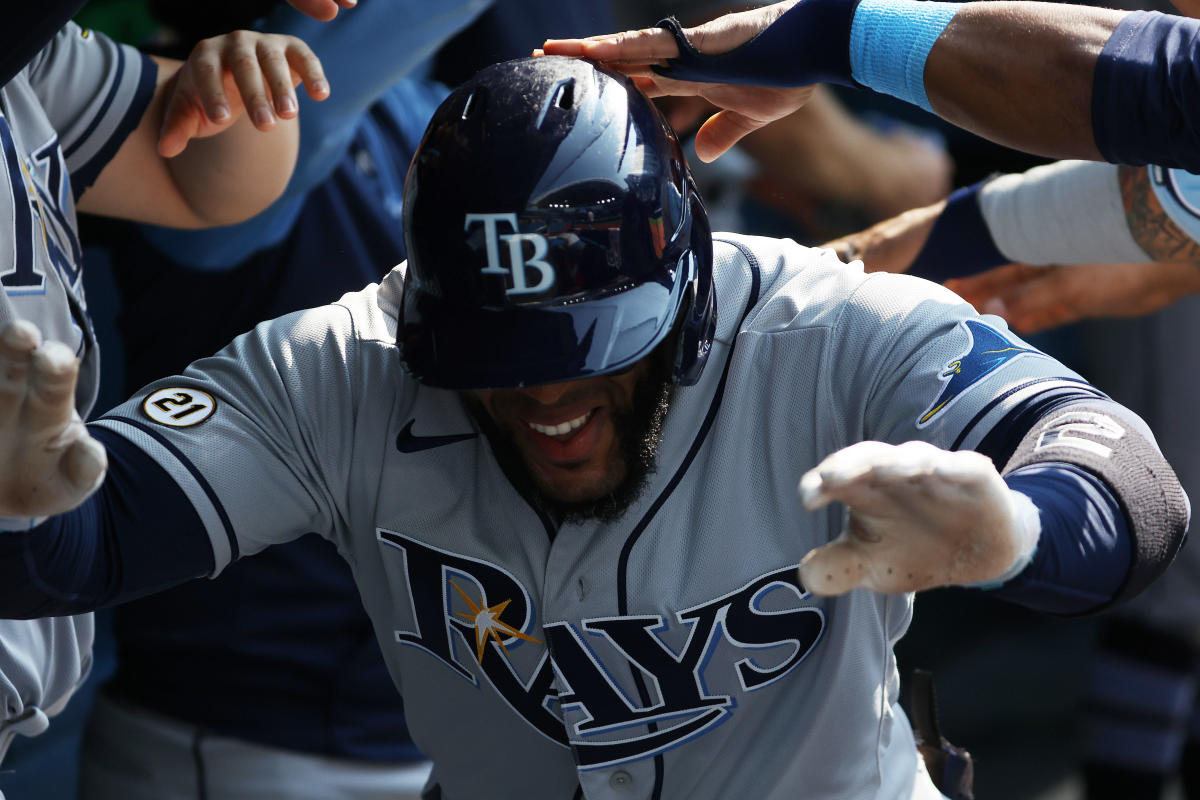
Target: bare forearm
1021,73
233,176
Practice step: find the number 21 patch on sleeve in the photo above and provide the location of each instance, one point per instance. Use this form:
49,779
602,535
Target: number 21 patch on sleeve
179,408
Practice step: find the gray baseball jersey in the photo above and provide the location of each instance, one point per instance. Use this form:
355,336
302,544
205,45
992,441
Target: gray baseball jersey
669,654
61,120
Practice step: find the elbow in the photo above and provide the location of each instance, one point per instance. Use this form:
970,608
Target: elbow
226,191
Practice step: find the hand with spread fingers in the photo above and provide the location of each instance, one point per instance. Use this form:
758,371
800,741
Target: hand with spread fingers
743,108
48,462
243,71
1035,299
919,517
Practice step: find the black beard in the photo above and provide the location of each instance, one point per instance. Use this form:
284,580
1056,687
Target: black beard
639,436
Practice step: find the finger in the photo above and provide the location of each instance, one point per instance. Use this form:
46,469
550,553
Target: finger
825,482
50,403
241,58
648,87
205,74
17,343
833,569
277,74
323,10
722,131
181,121
304,61
84,464
645,45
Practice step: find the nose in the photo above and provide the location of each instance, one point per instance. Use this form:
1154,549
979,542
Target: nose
547,394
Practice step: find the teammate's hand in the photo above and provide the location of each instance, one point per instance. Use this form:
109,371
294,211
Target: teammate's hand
744,109
48,462
1035,299
323,10
919,517
893,244
243,71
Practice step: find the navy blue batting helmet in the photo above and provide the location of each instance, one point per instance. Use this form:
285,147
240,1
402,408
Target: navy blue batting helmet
553,233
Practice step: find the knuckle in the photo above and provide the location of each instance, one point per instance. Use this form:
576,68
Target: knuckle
244,62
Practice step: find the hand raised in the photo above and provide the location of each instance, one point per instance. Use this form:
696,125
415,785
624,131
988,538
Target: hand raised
744,108
48,462
243,71
919,517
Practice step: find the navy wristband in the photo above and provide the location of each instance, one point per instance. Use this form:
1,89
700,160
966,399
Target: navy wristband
1146,92
809,44
959,243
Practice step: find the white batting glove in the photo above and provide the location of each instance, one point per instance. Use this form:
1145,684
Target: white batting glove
919,517
48,462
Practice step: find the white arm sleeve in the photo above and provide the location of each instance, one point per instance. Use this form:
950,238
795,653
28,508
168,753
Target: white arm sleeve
1068,212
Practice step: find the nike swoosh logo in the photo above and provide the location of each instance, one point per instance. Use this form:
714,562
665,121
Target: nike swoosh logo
409,442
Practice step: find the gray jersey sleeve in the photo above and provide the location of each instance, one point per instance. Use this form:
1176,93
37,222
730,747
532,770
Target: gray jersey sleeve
94,92
259,436
917,362
43,660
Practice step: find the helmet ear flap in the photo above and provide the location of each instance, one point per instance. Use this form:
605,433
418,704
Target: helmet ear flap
700,305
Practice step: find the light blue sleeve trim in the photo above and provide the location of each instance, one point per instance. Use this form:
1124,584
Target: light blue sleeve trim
889,42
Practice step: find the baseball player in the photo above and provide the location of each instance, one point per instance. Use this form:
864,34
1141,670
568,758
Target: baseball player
88,125
559,448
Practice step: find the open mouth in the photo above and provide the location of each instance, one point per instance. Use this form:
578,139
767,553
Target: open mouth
563,428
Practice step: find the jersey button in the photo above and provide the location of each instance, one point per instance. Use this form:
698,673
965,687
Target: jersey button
620,780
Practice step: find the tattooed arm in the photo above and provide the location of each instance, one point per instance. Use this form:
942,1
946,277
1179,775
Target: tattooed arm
1051,218
1152,227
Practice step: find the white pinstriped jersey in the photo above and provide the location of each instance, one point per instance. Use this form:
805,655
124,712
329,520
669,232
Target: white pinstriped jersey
669,654
62,118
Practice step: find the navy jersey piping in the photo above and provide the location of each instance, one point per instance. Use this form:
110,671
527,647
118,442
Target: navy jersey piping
200,480
644,522
1002,440
86,175
1084,387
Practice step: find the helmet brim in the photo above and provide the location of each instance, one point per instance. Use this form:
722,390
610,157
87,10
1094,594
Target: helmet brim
461,349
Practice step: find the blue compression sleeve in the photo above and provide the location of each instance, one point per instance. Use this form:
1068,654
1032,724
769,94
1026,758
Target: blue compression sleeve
136,535
959,243
1146,92
1085,551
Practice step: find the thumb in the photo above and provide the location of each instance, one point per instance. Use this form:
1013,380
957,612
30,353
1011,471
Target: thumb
722,131
833,569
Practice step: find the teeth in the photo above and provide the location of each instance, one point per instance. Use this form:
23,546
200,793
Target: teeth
563,427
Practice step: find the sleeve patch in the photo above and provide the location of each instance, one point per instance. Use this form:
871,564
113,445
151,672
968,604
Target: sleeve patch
179,407
987,351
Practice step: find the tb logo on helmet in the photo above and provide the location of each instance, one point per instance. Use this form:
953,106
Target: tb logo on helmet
516,254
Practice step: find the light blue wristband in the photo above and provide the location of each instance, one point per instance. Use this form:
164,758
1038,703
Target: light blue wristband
889,42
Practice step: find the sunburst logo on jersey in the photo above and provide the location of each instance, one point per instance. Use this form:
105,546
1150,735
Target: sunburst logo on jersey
486,620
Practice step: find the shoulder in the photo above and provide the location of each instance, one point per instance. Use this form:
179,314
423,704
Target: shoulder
786,286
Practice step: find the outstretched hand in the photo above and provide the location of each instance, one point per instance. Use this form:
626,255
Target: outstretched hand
1034,299
239,72
919,517
744,109
48,462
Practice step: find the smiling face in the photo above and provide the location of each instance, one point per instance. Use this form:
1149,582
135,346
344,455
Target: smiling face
579,449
